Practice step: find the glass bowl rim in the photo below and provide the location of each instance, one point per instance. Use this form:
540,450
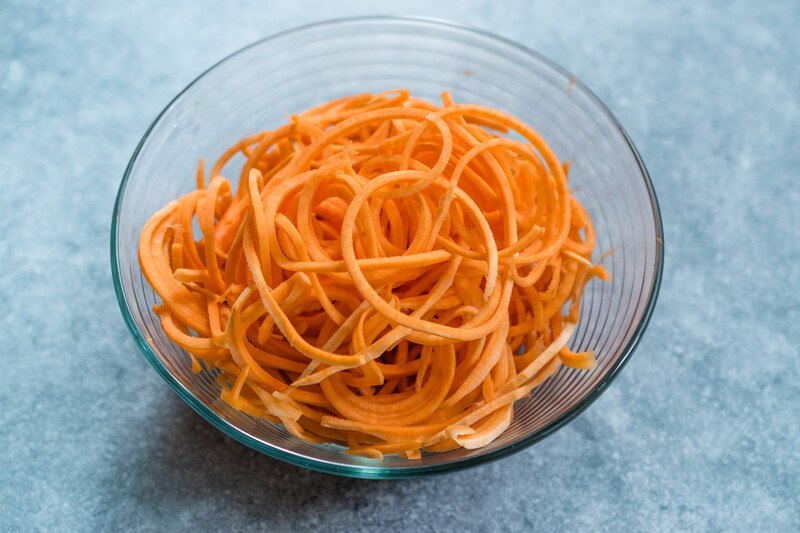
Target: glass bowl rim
377,471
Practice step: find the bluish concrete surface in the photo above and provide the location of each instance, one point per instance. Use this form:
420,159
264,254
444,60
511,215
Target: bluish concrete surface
701,430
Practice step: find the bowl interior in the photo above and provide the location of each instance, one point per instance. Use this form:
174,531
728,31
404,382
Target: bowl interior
259,86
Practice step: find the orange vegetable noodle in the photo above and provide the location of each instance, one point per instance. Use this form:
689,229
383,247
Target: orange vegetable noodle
386,274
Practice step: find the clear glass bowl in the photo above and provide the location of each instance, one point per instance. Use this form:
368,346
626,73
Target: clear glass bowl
255,89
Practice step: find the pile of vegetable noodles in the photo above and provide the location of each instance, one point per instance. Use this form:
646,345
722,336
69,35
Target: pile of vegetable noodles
389,275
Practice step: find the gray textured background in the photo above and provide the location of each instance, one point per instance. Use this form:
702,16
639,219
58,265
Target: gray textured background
700,432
